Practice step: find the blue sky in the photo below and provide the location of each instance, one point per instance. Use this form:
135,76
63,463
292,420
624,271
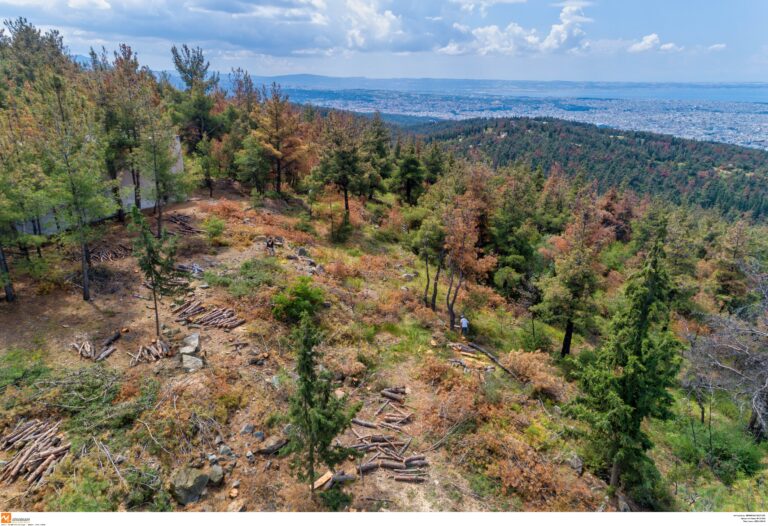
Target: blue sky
607,40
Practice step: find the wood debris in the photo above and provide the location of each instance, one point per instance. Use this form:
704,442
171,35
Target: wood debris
183,224
87,350
39,447
151,353
193,311
388,451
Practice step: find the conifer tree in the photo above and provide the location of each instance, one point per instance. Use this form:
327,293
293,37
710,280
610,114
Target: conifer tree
630,379
74,157
341,163
376,154
409,176
156,261
317,414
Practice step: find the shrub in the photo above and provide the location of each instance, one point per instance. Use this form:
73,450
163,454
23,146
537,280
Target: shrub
214,227
539,341
302,297
251,275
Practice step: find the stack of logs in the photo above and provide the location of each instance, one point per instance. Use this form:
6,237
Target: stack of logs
86,349
183,224
39,449
104,253
388,452
179,283
193,311
151,353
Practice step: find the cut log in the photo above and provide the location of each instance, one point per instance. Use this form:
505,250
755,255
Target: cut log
364,423
271,450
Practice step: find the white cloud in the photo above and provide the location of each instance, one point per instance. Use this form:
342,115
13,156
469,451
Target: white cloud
365,20
515,39
483,5
716,47
647,43
671,47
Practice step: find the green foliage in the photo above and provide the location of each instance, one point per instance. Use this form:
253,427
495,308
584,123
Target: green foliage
146,489
409,177
87,490
301,298
335,499
251,275
21,367
252,165
317,414
629,380
214,227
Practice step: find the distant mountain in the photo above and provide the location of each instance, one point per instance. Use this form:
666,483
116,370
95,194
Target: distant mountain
730,178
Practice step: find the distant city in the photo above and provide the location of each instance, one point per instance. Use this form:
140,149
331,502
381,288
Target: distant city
729,113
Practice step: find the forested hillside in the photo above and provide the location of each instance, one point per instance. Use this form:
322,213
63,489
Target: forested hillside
714,175
320,313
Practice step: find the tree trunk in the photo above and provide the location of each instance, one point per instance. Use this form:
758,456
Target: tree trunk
6,277
113,175
566,350
433,304
157,312
278,175
426,289
136,177
615,474
451,315
86,267
346,200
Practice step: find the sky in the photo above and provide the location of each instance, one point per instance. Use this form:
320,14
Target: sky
580,40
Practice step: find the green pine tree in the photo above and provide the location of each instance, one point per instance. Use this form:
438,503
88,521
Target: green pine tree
317,415
630,379
156,261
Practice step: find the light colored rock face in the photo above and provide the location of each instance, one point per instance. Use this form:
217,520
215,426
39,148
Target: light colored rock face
191,363
187,485
215,475
193,340
187,349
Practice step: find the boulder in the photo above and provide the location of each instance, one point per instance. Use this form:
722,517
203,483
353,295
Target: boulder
187,349
259,435
250,456
215,475
187,485
408,276
236,506
302,252
224,450
193,340
247,429
191,363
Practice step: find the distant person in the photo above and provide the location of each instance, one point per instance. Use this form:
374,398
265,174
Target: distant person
464,322
270,246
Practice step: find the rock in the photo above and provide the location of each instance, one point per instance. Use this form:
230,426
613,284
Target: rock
311,263
213,459
236,484
191,363
247,429
225,450
196,463
187,349
250,456
215,475
187,485
218,440
577,464
291,257
204,286
193,340
234,493
119,459
327,304
259,435
236,506
302,252
623,506
408,276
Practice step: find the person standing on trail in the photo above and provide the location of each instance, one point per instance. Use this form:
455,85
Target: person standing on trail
270,246
464,322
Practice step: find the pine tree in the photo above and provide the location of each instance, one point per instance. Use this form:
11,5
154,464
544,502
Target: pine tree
630,379
279,134
156,261
317,415
376,154
341,164
409,176
74,159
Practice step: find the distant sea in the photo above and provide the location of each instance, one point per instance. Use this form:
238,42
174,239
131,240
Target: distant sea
735,113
